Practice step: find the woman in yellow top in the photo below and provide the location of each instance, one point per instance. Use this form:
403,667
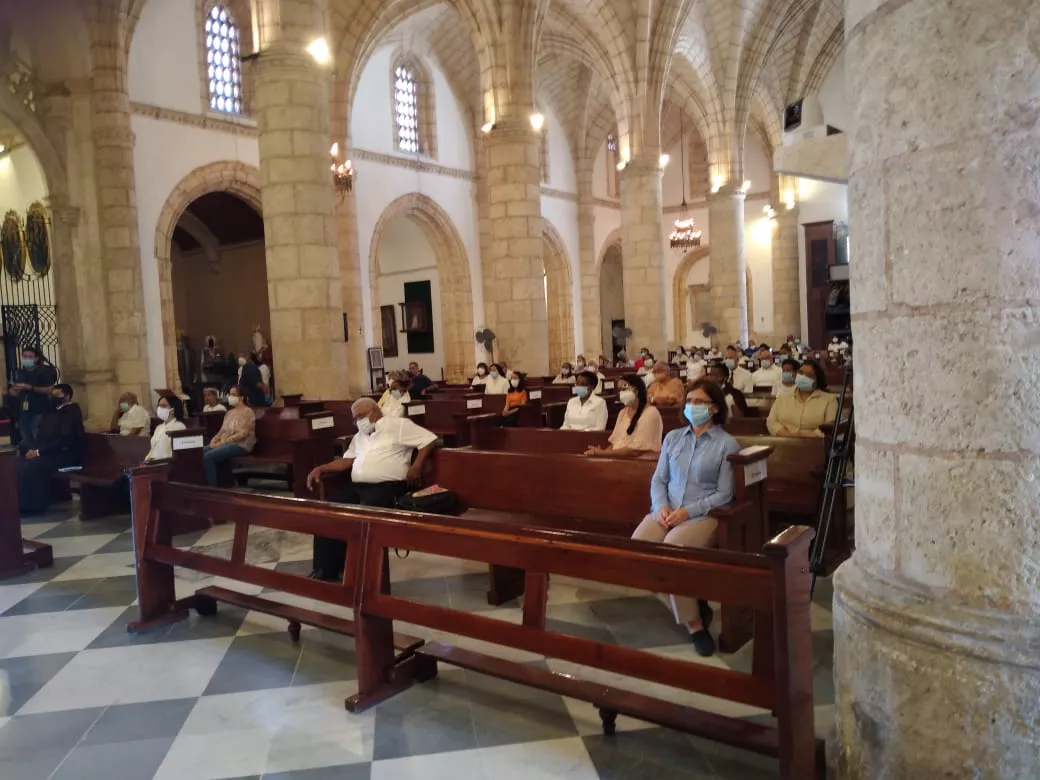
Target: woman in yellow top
515,398
639,427
801,413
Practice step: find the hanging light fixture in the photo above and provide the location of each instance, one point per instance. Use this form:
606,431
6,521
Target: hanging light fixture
342,173
684,235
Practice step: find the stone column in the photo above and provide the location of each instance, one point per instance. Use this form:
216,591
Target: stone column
514,291
936,616
787,311
591,308
643,254
728,265
291,105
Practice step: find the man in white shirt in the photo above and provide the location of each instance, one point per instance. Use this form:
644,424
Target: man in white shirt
131,418
768,375
586,411
381,468
740,377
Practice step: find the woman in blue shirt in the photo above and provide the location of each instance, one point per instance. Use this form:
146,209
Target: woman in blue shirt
693,477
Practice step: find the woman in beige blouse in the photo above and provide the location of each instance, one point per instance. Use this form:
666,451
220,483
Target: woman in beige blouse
801,413
236,436
639,427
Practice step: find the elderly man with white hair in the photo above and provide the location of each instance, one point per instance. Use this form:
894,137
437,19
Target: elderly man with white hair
381,468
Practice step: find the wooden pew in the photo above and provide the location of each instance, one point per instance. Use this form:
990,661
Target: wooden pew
595,495
18,556
105,457
772,584
295,445
446,416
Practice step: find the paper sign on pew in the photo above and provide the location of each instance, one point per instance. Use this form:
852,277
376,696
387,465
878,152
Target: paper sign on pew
535,395
415,411
608,385
754,472
188,443
474,403
321,423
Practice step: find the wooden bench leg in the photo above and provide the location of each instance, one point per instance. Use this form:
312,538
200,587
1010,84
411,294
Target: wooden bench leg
737,623
505,584
97,501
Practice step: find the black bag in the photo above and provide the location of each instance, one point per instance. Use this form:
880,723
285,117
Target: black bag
442,502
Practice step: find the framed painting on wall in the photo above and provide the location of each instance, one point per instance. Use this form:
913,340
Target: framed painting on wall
416,317
388,318
375,358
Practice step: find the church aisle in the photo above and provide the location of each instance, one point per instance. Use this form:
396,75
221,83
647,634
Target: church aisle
232,697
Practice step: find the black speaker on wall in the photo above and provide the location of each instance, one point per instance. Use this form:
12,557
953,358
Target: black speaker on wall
793,116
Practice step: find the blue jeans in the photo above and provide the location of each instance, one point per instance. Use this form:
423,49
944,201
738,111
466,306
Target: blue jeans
212,456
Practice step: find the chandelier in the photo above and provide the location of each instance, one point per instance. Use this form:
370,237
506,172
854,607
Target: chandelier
342,172
684,235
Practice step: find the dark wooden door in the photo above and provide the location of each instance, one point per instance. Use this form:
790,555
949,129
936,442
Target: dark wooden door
819,257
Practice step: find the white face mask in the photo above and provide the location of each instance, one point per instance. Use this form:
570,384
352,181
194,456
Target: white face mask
233,400
565,371
395,393
494,374
627,397
514,383
163,412
241,361
365,426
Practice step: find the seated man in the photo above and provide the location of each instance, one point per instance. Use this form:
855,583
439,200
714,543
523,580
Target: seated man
393,406
211,401
421,383
665,389
739,377
768,374
236,437
693,477
58,445
379,460
130,418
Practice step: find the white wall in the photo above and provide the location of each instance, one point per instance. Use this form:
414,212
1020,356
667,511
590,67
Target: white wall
832,97
818,201
406,256
21,180
164,58
561,160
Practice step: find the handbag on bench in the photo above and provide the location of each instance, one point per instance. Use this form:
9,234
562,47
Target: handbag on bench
433,500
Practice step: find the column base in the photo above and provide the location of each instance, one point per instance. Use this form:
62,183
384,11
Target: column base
928,688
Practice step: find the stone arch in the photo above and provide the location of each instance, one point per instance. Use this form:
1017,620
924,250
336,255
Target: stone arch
231,176
559,297
453,267
611,301
29,127
679,310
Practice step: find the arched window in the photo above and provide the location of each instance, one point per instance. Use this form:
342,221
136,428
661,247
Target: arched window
411,91
613,179
223,61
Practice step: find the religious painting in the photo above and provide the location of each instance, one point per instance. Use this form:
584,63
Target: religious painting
388,318
375,358
417,318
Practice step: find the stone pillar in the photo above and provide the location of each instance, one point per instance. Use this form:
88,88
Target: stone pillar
291,105
729,302
936,616
787,311
514,290
643,248
591,308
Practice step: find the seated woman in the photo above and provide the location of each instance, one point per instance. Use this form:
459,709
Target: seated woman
170,410
789,369
693,477
665,389
394,405
801,413
565,377
496,384
235,438
735,401
58,445
211,401
481,376
639,427
515,398
586,411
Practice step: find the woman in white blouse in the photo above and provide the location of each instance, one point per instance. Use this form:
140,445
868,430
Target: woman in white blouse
497,383
481,377
171,416
565,377
586,411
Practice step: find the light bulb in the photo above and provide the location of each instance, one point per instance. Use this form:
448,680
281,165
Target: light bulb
319,50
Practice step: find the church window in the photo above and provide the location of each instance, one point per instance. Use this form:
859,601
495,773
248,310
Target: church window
406,110
613,177
223,61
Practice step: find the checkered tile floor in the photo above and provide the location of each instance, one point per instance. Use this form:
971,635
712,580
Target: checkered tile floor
231,697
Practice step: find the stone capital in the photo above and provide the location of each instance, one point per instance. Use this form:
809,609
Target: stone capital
285,59
511,130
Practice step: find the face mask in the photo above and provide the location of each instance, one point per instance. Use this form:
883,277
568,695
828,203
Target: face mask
514,383
804,383
395,393
365,426
581,364
57,401
124,408
241,361
481,371
581,392
494,374
233,400
644,353
28,363
627,397
787,377
697,415
730,363
565,372
163,412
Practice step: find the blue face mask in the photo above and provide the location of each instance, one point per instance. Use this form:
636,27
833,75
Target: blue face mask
730,363
28,363
787,377
804,383
697,415
581,392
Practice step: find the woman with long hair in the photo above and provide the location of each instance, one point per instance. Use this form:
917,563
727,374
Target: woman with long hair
639,427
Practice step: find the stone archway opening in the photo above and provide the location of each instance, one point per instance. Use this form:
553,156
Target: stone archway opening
612,299
219,288
691,297
557,286
417,256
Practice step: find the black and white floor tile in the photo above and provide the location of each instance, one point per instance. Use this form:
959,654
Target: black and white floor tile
231,696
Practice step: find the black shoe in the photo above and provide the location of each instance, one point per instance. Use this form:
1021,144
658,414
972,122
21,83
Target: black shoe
317,574
324,576
707,613
703,643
